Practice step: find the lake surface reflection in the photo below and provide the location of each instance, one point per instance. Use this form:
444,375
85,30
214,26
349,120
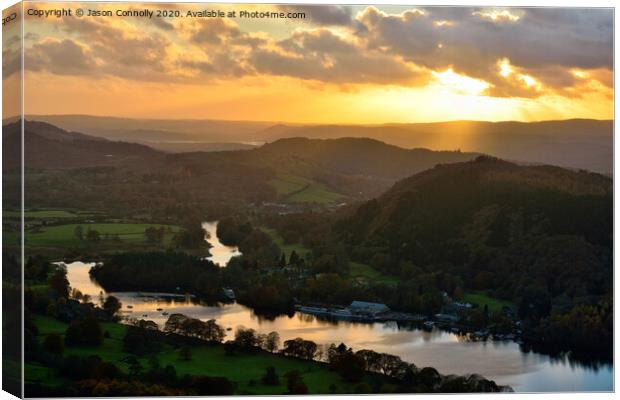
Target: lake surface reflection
220,253
503,362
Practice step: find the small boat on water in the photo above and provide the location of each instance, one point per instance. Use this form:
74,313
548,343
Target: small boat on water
312,310
129,306
229,293
429,324
160,309
343,313
481,334
164,313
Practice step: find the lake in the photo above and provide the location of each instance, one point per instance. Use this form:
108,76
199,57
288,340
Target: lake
220,253
504,362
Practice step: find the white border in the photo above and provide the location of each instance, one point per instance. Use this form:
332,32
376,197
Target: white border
498,3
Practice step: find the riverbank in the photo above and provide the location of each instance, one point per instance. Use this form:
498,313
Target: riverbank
205,359
346,313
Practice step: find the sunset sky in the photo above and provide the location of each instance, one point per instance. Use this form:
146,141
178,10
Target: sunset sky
359,64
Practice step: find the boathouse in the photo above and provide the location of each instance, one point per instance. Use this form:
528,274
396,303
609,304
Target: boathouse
364,307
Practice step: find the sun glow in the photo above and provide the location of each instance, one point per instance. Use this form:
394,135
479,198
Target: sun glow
460,83
497,15
504,68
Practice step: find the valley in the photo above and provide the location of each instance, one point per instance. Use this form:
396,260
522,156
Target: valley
438,235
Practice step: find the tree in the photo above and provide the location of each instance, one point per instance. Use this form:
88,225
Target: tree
300,348
54,344
142,338
295,383
271,377
59,283
78,231
154,235
213,332
93,236
372,358
429,377
273,342
174,323
246,338
351,367
84,332
185,353
294,258
390,365
135,368
334,351
282,262
111,305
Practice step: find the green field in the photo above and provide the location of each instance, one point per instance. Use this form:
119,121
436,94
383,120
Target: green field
297,189
366,271
47,213
286,248
482,298
206,360
64,235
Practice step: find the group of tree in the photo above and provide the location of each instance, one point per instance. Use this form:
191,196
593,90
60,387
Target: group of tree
154,234
84,332
91,236
92,376
142,338
169,271
248,340
193,327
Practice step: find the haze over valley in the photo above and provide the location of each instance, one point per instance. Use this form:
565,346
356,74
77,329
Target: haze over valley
578,143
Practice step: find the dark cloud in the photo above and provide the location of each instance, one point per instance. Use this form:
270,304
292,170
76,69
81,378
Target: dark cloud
322,55
121,52
542,43
64,57
162,24
11,62
215,32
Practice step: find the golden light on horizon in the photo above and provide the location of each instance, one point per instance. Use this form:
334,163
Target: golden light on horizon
319,70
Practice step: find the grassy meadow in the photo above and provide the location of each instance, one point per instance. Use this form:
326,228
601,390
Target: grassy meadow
245,370
64,235
297,189
483,299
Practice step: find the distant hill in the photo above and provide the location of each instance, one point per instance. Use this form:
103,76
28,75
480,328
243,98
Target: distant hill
47,146
576,143
288,170
158,130
292,169
360,156
355,167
